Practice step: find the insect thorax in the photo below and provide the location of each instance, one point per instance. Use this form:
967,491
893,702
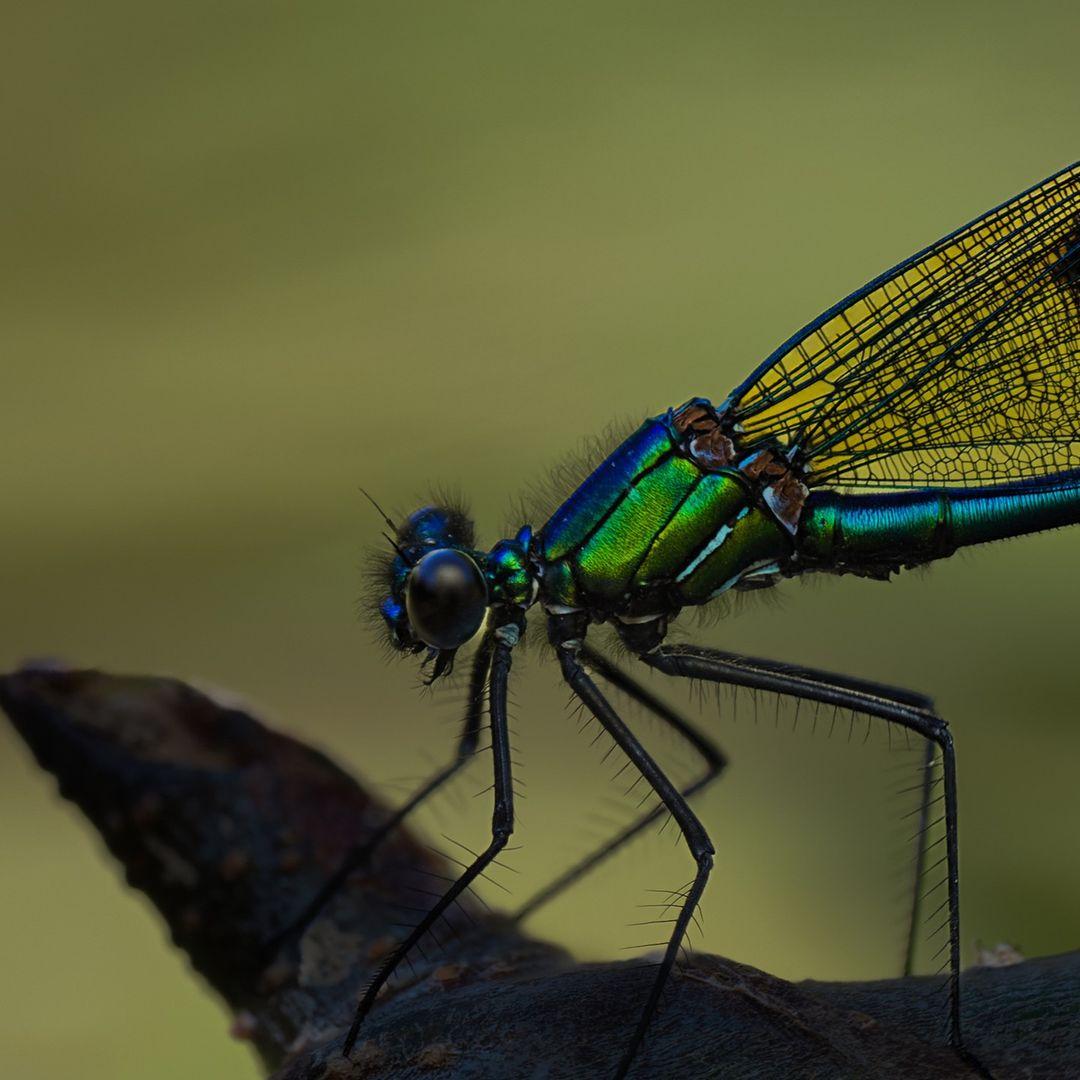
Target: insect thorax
673,517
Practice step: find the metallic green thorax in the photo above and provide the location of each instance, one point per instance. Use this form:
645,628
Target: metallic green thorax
654,529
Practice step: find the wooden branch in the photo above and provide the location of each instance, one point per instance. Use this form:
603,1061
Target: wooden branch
228,827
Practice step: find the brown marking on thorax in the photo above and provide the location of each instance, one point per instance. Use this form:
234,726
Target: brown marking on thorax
782,491
708,445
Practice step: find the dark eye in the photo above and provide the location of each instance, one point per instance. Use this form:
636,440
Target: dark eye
446,598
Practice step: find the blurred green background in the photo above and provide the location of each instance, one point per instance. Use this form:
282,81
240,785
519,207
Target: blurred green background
257,255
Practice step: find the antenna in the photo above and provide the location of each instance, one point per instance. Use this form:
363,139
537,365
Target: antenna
382,513
393,528
401,551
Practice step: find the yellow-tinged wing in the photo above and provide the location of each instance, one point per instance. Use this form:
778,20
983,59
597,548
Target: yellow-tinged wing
959,366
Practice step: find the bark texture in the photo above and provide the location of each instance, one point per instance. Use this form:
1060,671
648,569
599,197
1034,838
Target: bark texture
228,827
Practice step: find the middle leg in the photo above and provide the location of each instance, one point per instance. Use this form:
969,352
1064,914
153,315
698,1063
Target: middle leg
714,759
693,831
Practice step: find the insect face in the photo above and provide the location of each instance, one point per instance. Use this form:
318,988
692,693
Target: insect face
437,593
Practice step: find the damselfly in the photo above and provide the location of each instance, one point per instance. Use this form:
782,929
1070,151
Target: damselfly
935,408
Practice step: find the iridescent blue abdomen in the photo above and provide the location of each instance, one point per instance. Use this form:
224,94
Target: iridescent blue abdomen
877,534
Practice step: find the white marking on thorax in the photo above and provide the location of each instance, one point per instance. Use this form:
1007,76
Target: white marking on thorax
766,566
761,569
721,535
560,609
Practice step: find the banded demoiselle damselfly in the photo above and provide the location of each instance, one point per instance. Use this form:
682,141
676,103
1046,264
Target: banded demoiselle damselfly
935,408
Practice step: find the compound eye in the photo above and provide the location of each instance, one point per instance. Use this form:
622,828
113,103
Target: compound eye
446,598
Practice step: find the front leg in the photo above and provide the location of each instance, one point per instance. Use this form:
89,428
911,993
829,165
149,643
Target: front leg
360,855
505,637
693,831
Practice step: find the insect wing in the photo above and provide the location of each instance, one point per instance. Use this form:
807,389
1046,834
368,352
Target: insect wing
959,366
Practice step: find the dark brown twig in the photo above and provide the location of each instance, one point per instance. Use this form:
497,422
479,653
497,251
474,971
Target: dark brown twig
228,827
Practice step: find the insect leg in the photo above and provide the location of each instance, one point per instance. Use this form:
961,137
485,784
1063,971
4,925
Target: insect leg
921,839
358,855
899,706
693,831
714,758
502,823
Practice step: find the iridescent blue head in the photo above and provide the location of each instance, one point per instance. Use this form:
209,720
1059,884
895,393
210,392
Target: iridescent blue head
441,586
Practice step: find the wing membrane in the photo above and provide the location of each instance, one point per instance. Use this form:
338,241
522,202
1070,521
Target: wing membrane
959,366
